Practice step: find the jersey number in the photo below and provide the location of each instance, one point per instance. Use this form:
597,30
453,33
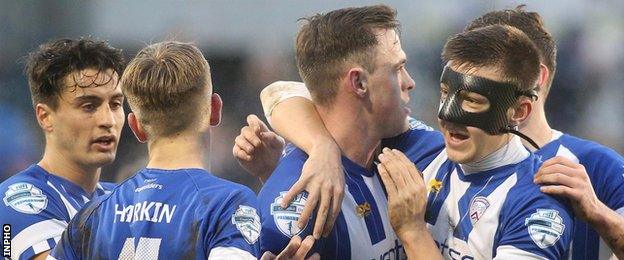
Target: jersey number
146,249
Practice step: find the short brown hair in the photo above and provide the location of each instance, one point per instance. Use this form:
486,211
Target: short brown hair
502,47
532,25
49,65
326,42
165,84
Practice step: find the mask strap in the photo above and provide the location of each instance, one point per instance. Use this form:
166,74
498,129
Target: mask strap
516,132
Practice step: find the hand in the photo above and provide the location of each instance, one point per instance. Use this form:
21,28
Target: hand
257,149
560,176
407,196
322,177
296,249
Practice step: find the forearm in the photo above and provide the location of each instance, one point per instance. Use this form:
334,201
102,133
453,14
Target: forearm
610,226
419,244
293,115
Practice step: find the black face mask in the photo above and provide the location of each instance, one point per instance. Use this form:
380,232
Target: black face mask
501,97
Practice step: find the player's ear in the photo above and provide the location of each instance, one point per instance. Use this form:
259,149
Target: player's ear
543,76
521,111
45,118
137,128
357,81
215,109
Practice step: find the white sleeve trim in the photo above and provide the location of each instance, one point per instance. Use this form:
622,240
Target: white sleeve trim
35,235
511,252
620,211
279,91
228,253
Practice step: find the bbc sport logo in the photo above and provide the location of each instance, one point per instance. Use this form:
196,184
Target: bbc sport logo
6,240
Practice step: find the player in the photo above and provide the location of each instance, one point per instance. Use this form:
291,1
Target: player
173,208
354,64
484,163
79,106
596,185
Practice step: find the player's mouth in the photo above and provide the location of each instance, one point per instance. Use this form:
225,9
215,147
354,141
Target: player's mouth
105,143
455,135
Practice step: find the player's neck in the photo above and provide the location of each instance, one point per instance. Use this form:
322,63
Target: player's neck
537,128
58,163
355,137
184,150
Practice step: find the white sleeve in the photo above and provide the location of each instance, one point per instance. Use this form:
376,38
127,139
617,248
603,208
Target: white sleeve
36,236
510,252
279,91
227,253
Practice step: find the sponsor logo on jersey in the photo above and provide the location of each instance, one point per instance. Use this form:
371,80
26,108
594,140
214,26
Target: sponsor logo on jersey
247,221
25,198
545,227
286,219
477,208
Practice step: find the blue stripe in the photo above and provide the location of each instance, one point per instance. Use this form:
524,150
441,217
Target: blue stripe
51,243
464,228
361,194
436,199
336,246
586,243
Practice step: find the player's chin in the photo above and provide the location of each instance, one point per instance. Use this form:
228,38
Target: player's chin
459,154
101,159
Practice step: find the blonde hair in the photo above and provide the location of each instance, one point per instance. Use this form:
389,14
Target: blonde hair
165,86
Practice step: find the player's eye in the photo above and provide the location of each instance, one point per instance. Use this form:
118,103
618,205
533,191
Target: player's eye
116,105
88,107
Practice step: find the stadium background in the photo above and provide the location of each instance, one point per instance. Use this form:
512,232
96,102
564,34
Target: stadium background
249,44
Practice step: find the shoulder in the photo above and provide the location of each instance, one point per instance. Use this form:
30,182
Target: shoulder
286,173
28,193
586,150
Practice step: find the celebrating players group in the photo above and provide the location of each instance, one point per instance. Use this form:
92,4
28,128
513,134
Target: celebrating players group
360,178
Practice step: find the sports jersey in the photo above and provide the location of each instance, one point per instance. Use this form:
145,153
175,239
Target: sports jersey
490,208
166,214
38,205
605,169
362,229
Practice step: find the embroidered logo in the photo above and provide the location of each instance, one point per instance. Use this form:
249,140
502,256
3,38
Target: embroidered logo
247,222
363,210
545,227
286,219
435,185
477,208
25,198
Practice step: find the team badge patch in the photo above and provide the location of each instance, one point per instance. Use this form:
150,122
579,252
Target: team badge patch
247,222
286,219
545,227
477,208
25,198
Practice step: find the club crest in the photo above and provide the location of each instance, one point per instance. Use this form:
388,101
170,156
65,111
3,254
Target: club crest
286,219
545,227
477,208
25,198
247,221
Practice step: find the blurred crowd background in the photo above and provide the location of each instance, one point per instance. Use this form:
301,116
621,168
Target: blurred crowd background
250,43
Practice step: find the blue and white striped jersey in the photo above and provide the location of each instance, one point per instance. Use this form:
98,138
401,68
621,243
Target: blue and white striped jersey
489,209
606,172
362,230
38,205
166,214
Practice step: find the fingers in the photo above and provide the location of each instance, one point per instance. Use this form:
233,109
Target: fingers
561,169
337,196
251,135
240,154
304,248
388,182
254,121
312,201
243,144
560,191
293,192
315,256
558,179
272,139
291,248
321,214
563,161
394,167
267,256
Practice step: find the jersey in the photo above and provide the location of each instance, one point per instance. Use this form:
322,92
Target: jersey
362,229
605,169
491,212
166,214
38,205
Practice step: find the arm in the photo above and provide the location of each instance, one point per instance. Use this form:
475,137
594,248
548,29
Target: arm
407,200
292,115
562,177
